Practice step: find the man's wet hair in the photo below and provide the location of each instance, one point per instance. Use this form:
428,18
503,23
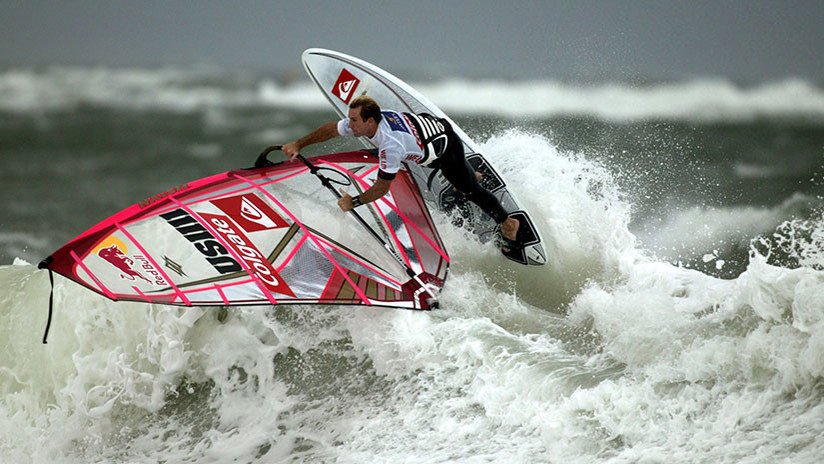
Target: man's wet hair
369,108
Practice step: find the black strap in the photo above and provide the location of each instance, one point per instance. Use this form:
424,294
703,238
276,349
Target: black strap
436,166
51,307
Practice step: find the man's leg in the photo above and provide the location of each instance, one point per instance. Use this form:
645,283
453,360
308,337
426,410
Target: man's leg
462,176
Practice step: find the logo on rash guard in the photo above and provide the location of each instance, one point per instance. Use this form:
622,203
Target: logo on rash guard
345,86
394,121
414,131
382,158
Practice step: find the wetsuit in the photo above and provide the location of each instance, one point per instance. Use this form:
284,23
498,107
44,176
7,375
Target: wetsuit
428,141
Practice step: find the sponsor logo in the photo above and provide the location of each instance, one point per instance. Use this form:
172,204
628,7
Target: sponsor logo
413,157
173,266
259,266
395,122
250,212
414,131
162,195
345,86
132,267
382,159
203,241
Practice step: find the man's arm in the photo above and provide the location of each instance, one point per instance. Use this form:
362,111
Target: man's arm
321,134
377,190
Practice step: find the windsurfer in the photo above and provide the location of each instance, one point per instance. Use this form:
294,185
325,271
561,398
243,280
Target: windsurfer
419,138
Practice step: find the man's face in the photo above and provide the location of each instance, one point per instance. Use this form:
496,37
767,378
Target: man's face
360,127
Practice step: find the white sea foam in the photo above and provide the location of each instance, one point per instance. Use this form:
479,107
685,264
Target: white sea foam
754,171
698,230
170,89
700,100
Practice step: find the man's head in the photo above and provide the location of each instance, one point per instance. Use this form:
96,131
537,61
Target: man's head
364,116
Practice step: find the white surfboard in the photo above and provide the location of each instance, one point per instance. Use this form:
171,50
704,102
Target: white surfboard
341,78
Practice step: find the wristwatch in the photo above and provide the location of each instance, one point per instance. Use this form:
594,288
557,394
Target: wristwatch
356,201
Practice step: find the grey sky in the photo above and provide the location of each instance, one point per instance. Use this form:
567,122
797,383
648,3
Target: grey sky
750,40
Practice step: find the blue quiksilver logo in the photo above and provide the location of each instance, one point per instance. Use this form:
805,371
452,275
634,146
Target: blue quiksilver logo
395,121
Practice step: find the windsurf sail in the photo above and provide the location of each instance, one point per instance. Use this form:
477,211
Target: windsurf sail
270,235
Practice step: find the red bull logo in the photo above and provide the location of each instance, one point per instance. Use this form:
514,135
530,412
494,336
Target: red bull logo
114,252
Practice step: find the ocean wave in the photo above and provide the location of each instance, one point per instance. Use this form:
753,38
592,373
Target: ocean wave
696,231
186,90
651,359
702,100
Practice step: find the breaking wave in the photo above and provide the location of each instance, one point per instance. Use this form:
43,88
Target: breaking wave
186,90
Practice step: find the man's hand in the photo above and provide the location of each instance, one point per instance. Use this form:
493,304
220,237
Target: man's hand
323,133
345,201
291,150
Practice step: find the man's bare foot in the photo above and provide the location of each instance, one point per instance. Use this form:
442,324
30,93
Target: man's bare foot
509,228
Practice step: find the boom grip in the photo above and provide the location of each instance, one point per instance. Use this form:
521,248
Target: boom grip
262,160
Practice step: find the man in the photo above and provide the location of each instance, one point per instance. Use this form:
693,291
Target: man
418,138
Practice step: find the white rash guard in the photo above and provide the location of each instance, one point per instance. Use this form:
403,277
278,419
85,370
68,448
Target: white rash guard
398,139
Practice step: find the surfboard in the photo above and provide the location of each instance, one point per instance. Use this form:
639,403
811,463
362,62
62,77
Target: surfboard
341,78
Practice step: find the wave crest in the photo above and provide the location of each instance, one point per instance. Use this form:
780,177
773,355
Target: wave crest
175,89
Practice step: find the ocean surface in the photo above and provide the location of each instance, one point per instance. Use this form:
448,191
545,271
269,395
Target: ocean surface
680,317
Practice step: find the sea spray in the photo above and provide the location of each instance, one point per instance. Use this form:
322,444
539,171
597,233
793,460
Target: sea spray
609,355
578,208
720,364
